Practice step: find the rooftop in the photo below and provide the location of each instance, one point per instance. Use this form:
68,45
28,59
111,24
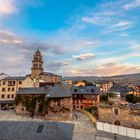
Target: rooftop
15,78
85,90
50,92
134,106
58,91
32,90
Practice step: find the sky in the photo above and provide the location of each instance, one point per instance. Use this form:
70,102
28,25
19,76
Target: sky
76,37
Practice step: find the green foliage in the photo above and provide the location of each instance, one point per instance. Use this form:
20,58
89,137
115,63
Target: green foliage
110,94
30,103
17,99
89,109
132,98
104,97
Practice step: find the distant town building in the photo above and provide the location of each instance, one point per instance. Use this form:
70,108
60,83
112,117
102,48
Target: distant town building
123,90
58,102
67,83
80,83
104,85
85,97
137,87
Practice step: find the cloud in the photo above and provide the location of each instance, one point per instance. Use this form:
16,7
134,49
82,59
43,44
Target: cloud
110,16
136,46
119,27
84,56
97,20
110,64
83,43
122,24
7,7
56,65
9,38
106,13
131,5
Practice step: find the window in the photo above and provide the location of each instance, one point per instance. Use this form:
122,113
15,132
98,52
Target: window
116,111
3,82
12,96
58,103
13,89
11,83
20,82
92,90
8,89
63,111
8,96
75,90
3,89
2,96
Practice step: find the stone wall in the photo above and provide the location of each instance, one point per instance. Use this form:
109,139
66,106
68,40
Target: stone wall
21,110
125,116
57,109
60,109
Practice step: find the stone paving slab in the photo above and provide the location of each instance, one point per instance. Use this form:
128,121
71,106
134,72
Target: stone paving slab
12,130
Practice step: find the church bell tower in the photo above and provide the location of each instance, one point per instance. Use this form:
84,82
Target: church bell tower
37,64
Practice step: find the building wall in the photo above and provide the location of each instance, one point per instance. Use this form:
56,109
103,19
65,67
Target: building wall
125,116
137,90
50,78
9,88
68,81
85,101
80,84
60,109
104,87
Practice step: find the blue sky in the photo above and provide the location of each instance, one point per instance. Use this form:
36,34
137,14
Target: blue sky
82,37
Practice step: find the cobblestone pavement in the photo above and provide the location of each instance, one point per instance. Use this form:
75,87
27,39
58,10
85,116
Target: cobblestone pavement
13,127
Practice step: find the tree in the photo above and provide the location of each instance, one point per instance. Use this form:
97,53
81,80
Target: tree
110,94
103,97
132,98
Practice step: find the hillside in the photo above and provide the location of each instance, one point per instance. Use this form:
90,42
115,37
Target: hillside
117,78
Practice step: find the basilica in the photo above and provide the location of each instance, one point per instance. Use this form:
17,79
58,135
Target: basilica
37,72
